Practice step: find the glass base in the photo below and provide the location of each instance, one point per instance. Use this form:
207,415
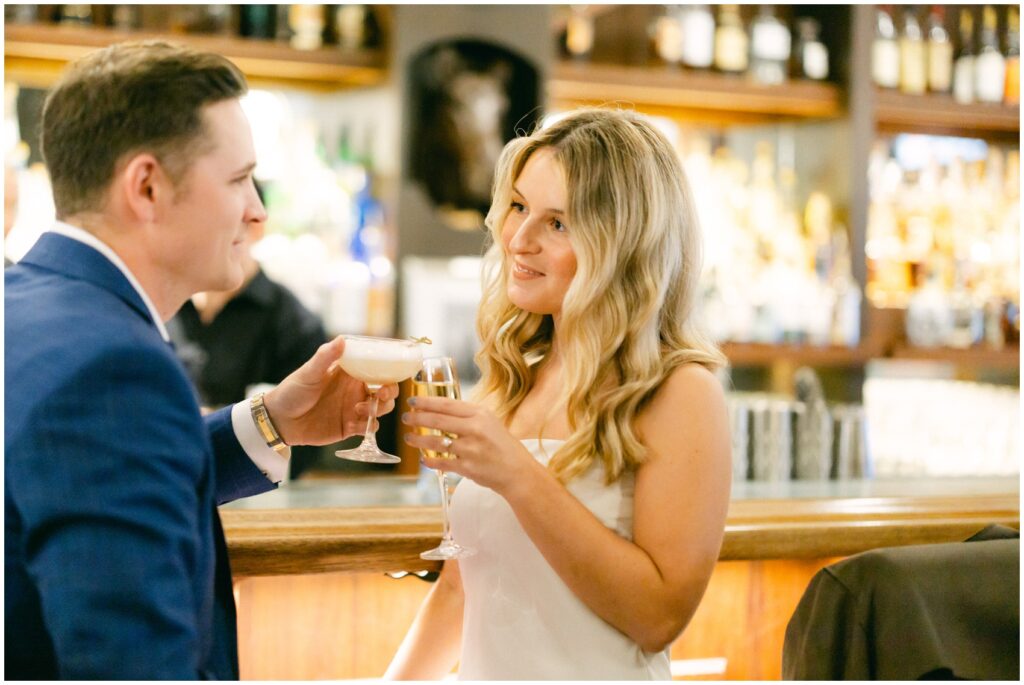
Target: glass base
450,550
368,453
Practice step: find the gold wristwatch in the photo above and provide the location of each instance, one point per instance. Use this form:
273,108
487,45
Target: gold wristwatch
266,426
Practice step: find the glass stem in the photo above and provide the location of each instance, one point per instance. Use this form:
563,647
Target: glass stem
442,481
369,439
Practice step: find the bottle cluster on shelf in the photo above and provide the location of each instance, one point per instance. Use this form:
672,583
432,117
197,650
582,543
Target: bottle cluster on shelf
707,37
303,27
777,267
920,55
943,240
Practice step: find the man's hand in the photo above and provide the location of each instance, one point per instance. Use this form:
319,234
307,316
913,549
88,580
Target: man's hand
319,403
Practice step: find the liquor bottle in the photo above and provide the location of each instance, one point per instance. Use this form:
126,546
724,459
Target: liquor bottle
350,25
1011,94
940,52
307,26
731,42
698,27
963,67
579,32
885,52
76,14
21,14
811,55
990,65
282,29
126,17
256,21
913,70
769,47
667,33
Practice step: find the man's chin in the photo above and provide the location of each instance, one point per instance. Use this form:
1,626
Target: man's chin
232,279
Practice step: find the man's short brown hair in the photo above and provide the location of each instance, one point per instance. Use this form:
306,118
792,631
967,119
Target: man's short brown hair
129,98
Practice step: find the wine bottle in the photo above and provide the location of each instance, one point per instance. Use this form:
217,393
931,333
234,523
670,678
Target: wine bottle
940,52
963,67
990,65
885,53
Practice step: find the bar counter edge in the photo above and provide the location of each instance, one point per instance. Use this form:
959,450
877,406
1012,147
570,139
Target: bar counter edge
270,542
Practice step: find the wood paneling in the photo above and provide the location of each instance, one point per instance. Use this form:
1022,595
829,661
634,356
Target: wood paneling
348,625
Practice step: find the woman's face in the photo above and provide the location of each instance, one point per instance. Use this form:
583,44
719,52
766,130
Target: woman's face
540,257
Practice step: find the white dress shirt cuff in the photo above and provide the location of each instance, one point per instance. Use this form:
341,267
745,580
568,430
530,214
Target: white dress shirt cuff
272,464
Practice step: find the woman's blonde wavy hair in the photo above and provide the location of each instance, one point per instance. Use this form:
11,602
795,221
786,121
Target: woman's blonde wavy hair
626,318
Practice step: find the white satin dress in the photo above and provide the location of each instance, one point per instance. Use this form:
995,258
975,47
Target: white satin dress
520,621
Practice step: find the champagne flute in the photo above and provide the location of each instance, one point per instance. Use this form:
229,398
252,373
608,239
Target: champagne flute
437,378
376,362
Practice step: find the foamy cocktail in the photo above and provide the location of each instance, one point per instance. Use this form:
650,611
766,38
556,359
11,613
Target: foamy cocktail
377,362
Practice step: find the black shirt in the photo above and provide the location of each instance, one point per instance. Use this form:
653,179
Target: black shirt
260,336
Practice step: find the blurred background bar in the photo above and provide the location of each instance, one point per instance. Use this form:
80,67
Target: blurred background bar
856,171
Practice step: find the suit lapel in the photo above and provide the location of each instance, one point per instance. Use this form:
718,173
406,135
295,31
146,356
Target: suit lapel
74,259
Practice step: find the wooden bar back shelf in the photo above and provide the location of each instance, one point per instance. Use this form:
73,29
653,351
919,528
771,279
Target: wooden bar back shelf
690,95
35,54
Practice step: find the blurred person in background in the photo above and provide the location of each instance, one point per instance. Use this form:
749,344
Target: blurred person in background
115,564
596,458
253,335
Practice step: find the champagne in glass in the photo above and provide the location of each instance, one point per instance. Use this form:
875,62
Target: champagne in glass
376,362
437,378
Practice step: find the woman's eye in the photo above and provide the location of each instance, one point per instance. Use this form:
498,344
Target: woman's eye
557,225
518,207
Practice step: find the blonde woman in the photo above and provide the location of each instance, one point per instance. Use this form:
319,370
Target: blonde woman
596,458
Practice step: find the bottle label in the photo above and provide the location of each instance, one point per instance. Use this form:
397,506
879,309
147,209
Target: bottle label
940,66
771,42
698,39
885,63
731,49
668,39
989,76
1011,93
815,60
963,80
913,73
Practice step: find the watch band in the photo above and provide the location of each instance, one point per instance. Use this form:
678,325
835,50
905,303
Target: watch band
266,426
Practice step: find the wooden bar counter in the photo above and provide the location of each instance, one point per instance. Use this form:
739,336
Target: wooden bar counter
314,602
307,527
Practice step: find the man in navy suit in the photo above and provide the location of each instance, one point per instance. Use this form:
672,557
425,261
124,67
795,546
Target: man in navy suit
114,558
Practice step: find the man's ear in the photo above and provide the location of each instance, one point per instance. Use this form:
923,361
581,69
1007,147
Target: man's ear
143,186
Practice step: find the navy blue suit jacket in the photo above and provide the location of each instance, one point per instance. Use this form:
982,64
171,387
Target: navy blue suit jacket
114,558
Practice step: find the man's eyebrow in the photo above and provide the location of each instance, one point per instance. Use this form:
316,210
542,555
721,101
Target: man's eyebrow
246,169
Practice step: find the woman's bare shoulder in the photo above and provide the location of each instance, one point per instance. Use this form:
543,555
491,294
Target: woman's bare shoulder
690,391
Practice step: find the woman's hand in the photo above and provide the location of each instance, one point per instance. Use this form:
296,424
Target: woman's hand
483,449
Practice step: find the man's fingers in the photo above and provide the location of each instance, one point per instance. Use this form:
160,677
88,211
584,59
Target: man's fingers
326,354
388,392
363,408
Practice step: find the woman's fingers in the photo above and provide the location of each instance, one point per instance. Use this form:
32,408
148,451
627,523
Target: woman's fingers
433,443
443,405
443,422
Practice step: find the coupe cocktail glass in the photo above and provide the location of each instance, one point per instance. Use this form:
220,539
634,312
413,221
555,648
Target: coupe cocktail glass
377,362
